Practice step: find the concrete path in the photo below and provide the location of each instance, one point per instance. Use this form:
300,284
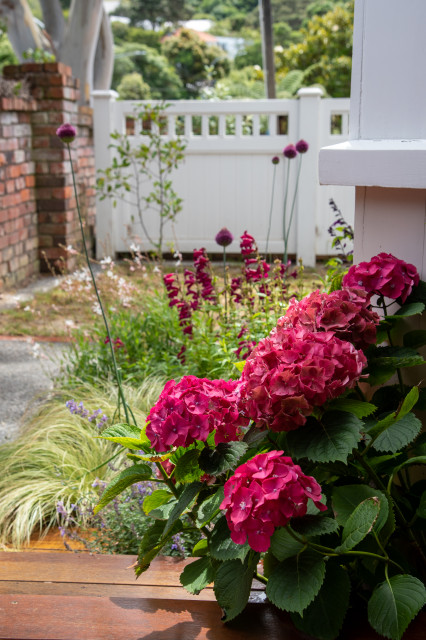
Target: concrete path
27,368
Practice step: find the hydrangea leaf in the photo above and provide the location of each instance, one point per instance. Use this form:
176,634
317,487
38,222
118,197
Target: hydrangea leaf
156,499
221,545
187,469
184,500
131,475
421,509
407,404
224,457
283,545
415,339
411,309
209,507
359,524
333,438
129,436
398,434
233,583
197,575
324,617
345,500
394,604
201,548
359,408
395,357
295,582
314,525
152,543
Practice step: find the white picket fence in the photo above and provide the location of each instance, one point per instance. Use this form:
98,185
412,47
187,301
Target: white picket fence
227,175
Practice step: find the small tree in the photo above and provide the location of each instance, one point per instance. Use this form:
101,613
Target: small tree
151,161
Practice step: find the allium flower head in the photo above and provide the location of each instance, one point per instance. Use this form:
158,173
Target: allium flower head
384,275
302,146
346,313
275,160
66,133
290,151
224,237
294,370
191,409
264,493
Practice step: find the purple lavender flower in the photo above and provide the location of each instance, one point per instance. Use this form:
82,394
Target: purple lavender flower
302,146
275,160
66,133
290,151
224,237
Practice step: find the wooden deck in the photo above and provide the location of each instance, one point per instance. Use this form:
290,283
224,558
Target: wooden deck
46,595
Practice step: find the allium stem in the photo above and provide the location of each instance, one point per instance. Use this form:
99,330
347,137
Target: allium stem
110,342
270,212
293,206
285,255
225,284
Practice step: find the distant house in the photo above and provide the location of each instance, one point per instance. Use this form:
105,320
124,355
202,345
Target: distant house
230,45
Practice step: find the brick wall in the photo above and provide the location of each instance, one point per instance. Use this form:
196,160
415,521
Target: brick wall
38,210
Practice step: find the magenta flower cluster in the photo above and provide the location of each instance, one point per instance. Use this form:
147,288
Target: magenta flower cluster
264,493
344,312
171,282
203,275
191,409
385,276
294,370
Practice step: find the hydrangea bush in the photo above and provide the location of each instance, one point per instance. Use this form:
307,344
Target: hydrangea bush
304,472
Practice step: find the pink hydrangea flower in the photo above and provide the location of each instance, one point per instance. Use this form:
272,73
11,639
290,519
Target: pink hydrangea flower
265,493
384,275
191,409
294,370
344,312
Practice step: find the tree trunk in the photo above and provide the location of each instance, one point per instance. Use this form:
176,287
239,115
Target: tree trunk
54,21
104,56
267,47
23,32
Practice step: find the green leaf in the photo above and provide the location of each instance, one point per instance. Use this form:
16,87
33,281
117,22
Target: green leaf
224,457
184,500
233,583
136,473
163,511
394,604
187,469
201,548
333,438
283,545
324,617
359,524
411,309
209,507
346,499
240,365
295,582
398,434
129,436
152,543
156,499
421,509
415,339
410,461
314,525
359,408
408,403
221,545
197,575
397,357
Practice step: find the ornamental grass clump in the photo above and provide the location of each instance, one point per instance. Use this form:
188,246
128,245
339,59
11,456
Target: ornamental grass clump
301,473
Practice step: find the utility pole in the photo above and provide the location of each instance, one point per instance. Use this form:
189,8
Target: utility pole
267,47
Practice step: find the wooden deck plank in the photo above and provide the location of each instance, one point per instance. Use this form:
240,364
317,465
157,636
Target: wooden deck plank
32,617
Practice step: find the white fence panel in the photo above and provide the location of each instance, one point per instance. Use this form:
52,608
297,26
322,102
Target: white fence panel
227,175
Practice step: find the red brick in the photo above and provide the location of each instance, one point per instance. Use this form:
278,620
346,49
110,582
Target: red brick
30,181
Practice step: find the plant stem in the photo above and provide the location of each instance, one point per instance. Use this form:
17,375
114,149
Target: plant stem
111,345
261,578
270,213
225,284
285,255
294,201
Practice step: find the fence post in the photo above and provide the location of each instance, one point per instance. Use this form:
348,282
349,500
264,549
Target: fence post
307,197
103,112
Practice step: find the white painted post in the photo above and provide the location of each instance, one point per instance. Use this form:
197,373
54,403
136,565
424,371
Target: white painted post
103,116
385,157
307,196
